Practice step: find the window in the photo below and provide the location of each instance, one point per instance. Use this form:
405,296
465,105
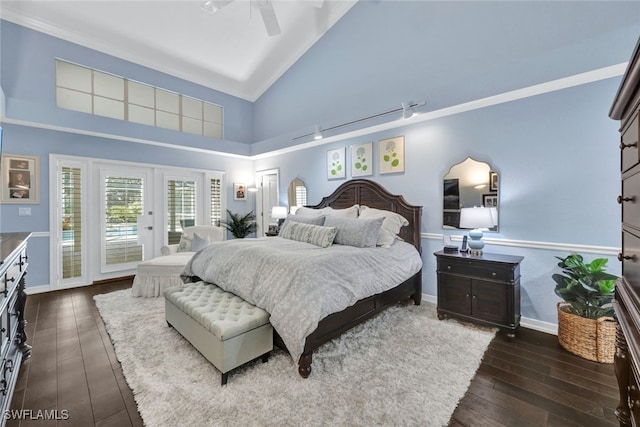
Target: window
181,201
91,91
71,222
123,204
216,201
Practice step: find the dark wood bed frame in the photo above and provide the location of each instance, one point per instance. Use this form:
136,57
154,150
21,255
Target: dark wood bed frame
373,195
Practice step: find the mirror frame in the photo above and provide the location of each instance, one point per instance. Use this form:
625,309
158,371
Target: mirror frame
487,194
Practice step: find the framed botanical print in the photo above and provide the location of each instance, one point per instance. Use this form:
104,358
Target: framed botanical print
362,159
391,155
336,163
20,177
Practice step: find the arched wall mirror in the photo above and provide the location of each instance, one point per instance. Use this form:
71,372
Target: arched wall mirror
297,194
469,183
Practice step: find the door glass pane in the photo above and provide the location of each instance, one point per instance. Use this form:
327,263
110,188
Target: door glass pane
71,223
216,202
123,204
181,207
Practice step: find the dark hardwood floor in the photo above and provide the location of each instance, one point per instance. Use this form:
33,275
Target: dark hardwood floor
529,381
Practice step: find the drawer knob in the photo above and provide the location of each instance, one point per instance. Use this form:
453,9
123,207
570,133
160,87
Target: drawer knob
623,145
448,267
494,274
622,257
626,199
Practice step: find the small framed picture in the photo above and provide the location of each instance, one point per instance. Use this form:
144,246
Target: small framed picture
362,159
20,175
239,191
493,181
490,200
391,155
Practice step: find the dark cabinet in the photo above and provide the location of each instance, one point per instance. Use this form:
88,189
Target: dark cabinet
626,108
483,289
13,340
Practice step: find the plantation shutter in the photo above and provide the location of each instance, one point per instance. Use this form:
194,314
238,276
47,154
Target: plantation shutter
181,208
216,202
71,205
123,202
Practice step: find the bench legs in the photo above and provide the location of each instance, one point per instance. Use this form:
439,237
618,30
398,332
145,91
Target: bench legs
225,375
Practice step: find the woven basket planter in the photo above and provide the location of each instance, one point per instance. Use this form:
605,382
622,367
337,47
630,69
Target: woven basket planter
592,339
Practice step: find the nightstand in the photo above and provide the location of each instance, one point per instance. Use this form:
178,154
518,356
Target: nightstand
482,289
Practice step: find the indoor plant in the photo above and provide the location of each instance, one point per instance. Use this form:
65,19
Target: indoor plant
240,225
585,322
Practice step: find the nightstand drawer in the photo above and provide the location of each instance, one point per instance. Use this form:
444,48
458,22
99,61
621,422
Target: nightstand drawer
480,270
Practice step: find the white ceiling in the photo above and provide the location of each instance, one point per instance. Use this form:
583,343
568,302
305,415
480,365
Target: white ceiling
229,50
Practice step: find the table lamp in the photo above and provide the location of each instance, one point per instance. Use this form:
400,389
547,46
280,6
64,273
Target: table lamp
279,213
476,219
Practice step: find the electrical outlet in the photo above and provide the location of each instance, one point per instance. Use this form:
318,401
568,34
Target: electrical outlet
24,211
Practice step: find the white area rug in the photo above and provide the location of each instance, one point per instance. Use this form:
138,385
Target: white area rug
403,367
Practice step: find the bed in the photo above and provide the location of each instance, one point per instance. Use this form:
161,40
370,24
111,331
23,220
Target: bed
211,266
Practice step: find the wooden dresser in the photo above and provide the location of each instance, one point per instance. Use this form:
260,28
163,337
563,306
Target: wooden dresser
626,108
13,340
484,289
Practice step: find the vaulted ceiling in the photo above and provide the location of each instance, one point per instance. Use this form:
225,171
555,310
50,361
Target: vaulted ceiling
228,50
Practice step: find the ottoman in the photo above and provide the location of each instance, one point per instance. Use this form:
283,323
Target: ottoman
224,328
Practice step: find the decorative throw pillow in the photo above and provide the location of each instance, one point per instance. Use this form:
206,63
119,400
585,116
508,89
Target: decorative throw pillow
315,220
361,233
391,225
199,242
186,240
309,233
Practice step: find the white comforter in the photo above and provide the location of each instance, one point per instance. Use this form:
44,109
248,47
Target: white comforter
298,283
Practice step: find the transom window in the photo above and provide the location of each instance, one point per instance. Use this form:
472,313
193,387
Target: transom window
91,91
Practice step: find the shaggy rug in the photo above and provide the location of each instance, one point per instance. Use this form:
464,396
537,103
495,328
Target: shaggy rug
403,367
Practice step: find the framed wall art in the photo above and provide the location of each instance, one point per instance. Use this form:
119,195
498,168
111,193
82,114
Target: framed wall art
490,200
336,163
493,181
391,155
20,175
362,159
239,191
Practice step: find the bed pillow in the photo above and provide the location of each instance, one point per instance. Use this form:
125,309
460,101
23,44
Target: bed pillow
304,211
351,212
309,233
315,220
391,225
361,233
186,241
199,242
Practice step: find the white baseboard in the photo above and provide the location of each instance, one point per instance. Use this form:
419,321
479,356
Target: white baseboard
525,322
32,290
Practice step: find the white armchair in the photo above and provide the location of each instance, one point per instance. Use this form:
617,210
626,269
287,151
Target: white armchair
213,233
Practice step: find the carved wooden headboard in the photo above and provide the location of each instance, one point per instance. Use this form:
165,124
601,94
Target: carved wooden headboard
373,195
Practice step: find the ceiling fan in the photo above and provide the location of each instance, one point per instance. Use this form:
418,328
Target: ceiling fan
264,6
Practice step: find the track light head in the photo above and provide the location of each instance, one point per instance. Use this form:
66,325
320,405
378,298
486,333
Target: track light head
318,133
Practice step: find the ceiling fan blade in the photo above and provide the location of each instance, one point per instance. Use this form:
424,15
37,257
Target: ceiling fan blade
317,3
269,18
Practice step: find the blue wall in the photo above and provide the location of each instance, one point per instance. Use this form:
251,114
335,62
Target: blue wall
556,153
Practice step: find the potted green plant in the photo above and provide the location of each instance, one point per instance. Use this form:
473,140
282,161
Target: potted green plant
585,323
239,225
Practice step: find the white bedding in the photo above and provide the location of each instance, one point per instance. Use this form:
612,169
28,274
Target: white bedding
298,283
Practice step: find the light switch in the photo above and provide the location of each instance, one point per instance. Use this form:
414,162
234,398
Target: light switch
24,211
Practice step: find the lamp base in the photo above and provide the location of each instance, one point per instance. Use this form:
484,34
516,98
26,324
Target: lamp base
475,242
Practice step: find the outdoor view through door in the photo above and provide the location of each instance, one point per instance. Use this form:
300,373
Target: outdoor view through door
123,203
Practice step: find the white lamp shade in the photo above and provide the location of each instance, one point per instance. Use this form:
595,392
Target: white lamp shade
279,212
476,218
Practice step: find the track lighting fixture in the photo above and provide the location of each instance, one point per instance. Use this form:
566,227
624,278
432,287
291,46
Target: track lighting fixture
407,108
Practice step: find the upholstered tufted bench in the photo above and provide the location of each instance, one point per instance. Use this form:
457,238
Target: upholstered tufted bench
226,329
